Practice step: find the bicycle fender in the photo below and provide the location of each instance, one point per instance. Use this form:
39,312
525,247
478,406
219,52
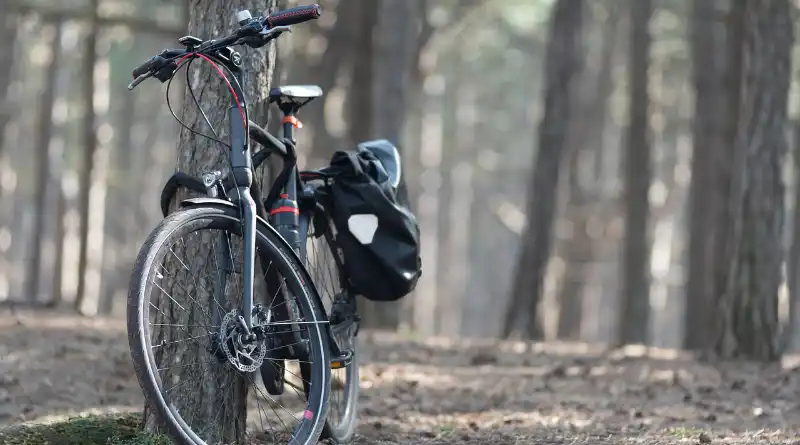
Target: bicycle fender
207,202
266,227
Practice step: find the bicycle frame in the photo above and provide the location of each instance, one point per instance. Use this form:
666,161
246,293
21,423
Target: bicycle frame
285,216
242,176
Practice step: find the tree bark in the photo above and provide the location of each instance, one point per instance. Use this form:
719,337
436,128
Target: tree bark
792,335
196,155
90,147
587,137
341,39
707,49
748,304
44,134
635,302
360,101
8,35
563,63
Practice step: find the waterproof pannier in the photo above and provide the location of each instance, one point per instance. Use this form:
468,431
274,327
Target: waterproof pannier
378,236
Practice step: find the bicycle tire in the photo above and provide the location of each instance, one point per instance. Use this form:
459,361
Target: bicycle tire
226,219
341,431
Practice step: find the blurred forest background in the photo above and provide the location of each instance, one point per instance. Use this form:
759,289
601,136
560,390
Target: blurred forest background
605,171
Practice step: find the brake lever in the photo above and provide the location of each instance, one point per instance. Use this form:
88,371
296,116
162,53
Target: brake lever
265,36
271,33
139,80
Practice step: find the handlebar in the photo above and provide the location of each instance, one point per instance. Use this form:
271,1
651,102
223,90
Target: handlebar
293,16
147,66
254,32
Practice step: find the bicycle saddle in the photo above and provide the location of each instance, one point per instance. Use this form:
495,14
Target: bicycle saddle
388,155
297,92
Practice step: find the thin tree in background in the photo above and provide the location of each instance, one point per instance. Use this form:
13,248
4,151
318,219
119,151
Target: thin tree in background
587,139
563,64
8,34
748,306
209,19
635,301
89,133
44,134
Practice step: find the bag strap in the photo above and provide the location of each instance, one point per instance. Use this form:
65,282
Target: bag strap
355,163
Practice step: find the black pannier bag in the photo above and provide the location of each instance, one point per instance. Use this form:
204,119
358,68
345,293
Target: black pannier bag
378,236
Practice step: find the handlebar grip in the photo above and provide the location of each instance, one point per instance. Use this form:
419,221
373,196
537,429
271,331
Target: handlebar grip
293,16
147,66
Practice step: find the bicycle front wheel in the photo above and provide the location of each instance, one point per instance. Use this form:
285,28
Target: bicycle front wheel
194,359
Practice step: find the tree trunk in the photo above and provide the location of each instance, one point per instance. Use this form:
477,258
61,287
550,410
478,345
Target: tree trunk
44,134
392,54
635,302
792,336
196,155
8,34
732,80
89,149
340,38
748,304
360,101
563,63
587,140
707,49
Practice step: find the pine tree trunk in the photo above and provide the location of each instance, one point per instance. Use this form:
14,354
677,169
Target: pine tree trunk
196,155
89,136
360,101
748,305
8,37
635,302
587,140
338,50
708,48
792,336
44,133
562,67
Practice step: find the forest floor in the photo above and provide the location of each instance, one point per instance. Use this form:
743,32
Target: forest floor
437,392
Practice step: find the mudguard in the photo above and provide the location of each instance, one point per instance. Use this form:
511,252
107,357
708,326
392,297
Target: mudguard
264,226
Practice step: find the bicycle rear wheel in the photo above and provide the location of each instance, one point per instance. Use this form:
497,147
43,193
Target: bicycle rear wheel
326,270
193,361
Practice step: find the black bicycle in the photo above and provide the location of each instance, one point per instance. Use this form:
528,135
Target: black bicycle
293,325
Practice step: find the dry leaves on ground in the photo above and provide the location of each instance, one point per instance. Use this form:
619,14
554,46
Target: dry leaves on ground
444,392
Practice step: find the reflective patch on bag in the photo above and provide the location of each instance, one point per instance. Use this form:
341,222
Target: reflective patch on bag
363,227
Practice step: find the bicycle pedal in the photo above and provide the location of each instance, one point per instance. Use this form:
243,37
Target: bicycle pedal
342,361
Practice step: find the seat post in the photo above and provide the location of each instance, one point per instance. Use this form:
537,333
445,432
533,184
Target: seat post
289,122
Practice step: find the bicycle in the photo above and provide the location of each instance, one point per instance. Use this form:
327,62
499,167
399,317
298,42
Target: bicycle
244,336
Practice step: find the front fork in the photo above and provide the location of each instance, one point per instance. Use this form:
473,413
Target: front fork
224,255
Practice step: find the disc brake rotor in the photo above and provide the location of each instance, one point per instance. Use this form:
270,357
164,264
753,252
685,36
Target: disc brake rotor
244,356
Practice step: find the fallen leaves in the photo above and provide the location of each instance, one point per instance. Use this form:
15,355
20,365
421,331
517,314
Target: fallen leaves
449,392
